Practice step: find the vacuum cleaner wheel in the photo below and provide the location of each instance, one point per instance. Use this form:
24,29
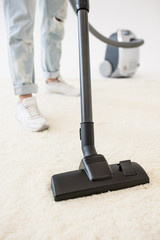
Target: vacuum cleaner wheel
105,68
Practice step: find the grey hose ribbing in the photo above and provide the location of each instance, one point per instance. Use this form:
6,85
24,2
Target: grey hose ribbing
133,44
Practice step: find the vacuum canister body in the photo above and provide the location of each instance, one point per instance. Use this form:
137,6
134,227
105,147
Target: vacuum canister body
120,62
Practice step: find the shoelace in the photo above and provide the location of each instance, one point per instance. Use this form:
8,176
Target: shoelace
33,111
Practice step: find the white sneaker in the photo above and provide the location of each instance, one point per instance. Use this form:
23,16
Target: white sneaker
61,87
29,115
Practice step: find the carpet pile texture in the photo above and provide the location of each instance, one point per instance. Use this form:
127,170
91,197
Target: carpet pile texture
127,126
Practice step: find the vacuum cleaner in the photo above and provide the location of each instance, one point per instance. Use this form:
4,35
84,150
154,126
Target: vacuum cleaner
122,52
120,62
94,175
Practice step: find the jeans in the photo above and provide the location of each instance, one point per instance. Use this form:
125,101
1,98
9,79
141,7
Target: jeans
20,17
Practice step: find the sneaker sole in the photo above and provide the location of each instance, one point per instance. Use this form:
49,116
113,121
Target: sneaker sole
65,94
44,126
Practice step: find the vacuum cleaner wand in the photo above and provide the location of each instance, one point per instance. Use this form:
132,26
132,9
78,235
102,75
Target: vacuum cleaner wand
95,175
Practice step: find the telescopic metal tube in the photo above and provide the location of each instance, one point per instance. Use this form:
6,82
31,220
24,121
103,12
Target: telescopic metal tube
84,61
87,126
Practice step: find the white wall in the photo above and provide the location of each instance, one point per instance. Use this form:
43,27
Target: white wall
140,16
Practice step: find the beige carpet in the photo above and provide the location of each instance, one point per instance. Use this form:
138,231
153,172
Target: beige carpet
127,126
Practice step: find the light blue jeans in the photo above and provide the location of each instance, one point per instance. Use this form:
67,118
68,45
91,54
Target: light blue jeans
20,16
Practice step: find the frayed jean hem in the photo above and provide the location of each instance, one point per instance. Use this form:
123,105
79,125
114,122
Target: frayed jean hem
26,89
51,74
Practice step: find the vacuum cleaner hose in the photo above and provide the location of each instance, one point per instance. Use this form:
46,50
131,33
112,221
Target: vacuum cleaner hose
133,44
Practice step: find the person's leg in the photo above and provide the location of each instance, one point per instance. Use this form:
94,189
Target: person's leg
53,13
19,16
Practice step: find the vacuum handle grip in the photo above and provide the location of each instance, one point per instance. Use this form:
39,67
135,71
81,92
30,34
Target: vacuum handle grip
82,4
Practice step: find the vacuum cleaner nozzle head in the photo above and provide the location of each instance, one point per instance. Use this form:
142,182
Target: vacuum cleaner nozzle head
77,183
